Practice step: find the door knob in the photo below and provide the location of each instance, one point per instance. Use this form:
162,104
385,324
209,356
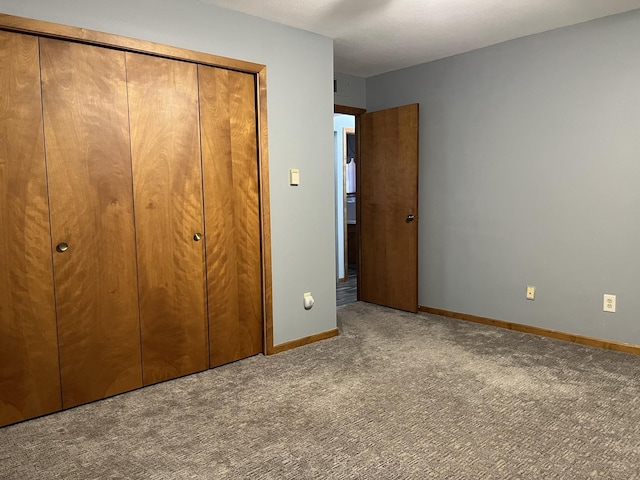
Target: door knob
410,218
197,237
62,247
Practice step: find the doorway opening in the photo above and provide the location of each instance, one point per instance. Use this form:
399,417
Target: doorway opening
386,206
345,213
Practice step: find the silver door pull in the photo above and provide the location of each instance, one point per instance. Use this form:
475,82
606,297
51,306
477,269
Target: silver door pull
410,218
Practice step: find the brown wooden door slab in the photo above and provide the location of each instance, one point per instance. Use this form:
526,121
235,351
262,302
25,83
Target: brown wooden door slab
90,190
388,184
29,371
232,209
165,134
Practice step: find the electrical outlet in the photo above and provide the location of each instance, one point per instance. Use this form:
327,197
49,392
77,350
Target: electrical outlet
609,303
531,292
308,301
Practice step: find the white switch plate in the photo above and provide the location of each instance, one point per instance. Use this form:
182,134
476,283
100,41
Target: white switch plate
531,292
294,176
609,303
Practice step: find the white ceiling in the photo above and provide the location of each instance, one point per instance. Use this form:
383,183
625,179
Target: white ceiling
377,36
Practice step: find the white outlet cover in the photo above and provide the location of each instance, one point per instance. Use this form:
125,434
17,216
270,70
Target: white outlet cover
531,292
609,303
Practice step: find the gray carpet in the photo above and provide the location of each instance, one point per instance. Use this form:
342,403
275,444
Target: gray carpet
395,396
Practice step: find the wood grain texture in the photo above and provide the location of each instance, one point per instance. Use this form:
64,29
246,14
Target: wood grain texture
13,23
348,110
265,211
165,134
283,347
388,173
27,25
90,189
232,209
29,371
543,332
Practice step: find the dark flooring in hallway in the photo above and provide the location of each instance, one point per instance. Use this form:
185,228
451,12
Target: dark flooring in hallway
347,292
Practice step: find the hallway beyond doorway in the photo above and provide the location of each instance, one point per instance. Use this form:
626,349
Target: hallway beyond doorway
347,292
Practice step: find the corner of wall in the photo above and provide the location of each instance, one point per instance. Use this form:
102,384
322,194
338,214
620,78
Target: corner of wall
349,90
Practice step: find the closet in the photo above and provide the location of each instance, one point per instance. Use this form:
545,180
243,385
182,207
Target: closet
130,221
165,150
228,122
29,369
86,132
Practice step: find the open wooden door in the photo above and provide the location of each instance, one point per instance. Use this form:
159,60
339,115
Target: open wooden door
388,208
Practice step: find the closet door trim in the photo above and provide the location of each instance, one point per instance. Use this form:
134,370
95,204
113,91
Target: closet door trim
65,32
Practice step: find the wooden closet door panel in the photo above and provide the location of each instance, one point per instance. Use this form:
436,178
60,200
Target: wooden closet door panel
163,102
90,189
232,213
29,371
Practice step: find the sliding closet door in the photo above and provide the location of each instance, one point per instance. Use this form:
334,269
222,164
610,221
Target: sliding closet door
90,188
230,169
29,376
163,102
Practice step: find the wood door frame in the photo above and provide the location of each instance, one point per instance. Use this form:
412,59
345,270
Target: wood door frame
356,112
53,30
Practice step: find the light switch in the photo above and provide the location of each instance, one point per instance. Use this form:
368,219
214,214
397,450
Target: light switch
294,176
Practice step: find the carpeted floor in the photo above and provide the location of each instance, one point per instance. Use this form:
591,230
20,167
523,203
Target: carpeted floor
395,396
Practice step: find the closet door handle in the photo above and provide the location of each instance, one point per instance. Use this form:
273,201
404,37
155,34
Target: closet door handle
62,247
197,237
410,218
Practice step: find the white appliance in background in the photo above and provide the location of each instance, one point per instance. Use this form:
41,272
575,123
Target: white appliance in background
351,176
351,210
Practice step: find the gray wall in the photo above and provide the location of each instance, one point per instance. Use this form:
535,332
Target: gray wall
352,91
300,110
530,174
